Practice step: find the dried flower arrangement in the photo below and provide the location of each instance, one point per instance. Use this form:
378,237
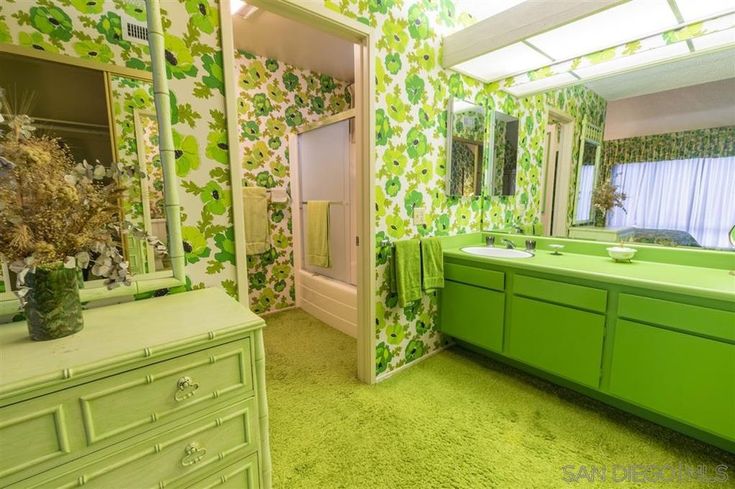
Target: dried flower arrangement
55,210
606,197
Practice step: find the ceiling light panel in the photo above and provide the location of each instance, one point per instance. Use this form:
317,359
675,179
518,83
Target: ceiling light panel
627,22
483,9
504,62
542,85
714,40
699,9
621,64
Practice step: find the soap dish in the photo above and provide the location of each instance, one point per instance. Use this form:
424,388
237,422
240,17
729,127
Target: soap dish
621,254
557,248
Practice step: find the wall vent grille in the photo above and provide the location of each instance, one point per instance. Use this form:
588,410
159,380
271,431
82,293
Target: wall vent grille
135,32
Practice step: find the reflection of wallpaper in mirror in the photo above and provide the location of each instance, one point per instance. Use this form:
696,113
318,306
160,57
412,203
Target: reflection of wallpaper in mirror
466,167
128,97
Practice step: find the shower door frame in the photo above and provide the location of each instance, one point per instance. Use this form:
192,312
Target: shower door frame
320,17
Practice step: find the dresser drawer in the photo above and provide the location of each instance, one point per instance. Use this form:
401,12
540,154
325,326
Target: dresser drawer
685,317
124,402
577,296
488,279
243,474
32,433
58,428
175,458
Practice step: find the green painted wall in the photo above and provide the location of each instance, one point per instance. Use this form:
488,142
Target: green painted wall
92,30
276,98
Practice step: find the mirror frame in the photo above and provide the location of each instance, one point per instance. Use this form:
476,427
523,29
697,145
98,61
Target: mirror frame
590,134
96,289
484,103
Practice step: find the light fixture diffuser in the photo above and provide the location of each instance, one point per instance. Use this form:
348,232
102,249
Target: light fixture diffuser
714,40
698,9
622,64
544,84
508,61
617,25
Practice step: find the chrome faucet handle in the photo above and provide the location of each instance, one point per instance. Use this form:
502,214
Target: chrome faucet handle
489,240
530,244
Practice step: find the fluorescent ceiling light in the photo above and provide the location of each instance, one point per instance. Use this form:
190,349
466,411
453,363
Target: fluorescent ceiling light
236,5
636,60
714,40
511,60
627,22
542,85
699,9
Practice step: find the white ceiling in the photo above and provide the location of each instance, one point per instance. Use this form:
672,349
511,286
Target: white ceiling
270,35
685,72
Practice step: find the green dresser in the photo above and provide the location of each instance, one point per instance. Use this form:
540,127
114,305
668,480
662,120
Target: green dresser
166,392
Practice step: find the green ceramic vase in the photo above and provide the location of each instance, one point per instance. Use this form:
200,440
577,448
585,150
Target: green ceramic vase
600,218
53,309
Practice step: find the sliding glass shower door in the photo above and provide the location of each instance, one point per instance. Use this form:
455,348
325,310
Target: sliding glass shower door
324,170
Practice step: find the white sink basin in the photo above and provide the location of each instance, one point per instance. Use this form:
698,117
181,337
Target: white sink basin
496,252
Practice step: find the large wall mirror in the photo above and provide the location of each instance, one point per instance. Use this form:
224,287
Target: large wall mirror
466,148
504,154
588,166
107,118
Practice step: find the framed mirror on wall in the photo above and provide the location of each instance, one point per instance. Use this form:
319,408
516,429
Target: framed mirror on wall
467,138
112,125
504,154
588,170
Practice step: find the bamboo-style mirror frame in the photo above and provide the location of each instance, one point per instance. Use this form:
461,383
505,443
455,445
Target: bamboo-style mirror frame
590,134
96,290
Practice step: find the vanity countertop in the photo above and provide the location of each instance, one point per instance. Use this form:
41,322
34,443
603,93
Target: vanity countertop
701,282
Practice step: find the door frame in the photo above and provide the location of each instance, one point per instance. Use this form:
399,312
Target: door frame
363,36
564,171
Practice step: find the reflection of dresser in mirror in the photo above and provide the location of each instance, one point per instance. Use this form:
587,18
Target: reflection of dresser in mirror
595,233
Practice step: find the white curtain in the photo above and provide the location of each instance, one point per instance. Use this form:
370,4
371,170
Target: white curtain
584,199
695,195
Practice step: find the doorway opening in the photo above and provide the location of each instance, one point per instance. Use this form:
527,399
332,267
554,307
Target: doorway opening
557,173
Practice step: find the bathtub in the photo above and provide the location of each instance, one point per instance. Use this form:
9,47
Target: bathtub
329,300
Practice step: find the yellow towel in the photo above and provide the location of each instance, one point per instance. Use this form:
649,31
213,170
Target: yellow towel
257,227
317,233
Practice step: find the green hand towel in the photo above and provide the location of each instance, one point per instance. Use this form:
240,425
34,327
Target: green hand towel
407,256
432,263
317,233
257,227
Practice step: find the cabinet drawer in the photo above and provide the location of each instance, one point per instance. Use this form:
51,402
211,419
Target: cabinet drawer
42,433
32,433
175,458
558,339
121,403
244,474
561,293
472,314
686,317
689,378
489,279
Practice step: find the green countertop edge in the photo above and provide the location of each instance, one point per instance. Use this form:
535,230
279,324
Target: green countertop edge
590,249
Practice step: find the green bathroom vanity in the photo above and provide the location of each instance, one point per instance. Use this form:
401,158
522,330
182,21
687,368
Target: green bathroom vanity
166,392
655,337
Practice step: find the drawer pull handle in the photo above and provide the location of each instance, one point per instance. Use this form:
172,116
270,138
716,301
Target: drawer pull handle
185,388
193,454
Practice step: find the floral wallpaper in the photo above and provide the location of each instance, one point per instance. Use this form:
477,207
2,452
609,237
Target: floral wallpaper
715,142
275,99
92,30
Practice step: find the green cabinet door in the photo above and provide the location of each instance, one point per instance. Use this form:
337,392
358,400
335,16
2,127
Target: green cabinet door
558,339
472,314
676,374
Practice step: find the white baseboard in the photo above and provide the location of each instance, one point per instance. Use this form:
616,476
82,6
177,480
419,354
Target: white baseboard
381,378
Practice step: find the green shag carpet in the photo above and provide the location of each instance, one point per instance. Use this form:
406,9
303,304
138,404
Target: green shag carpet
454,420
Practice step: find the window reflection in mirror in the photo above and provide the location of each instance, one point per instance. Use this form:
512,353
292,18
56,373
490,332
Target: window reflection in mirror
466,148
504,154
106,120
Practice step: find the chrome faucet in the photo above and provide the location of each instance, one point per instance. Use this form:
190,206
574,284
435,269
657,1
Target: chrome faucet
508,244
489,240
518,229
